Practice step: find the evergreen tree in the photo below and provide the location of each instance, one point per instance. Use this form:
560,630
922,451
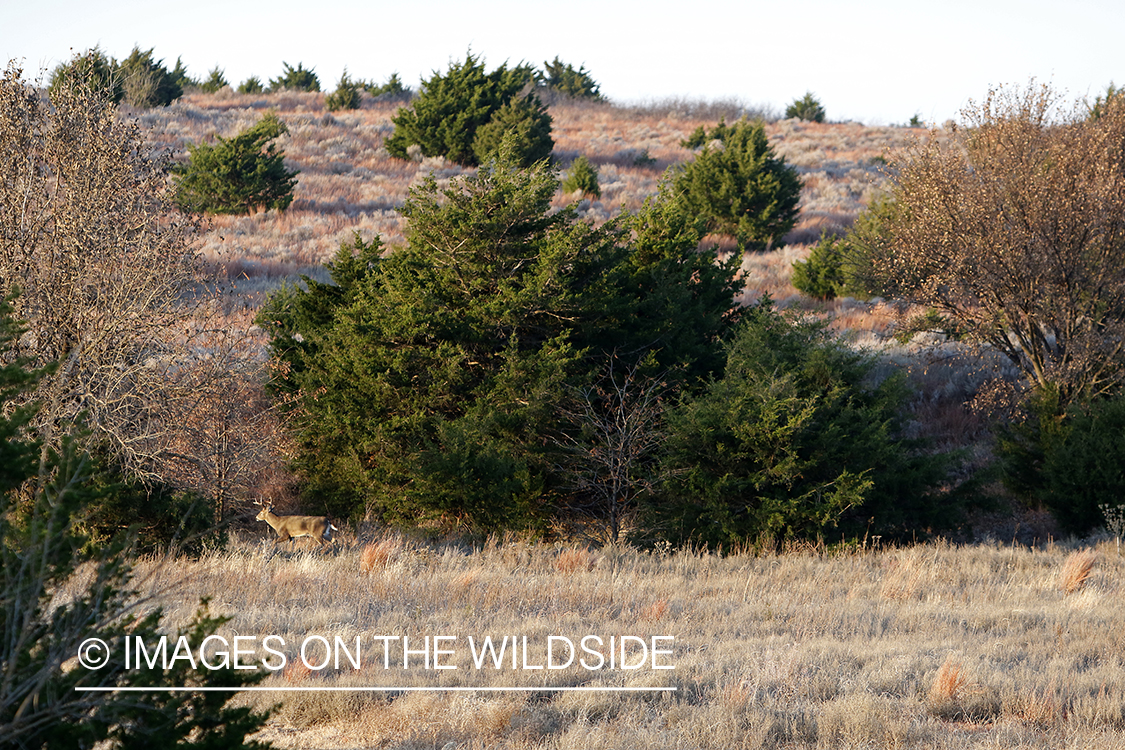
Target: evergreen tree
742,187
215,81
795,441
564,79
346,95
147,82
450,110
238,175
439,369
90,69
295,79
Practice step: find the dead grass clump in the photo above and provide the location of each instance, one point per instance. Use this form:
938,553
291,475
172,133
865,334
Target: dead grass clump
903,578
953,697
574,560
1043,709
1076,570
379,555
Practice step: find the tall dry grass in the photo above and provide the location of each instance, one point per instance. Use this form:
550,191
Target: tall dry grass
934,646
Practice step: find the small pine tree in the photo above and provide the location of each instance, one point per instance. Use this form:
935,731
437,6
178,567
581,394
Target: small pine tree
295,79
583,176
215,81
346,95
821,276
252,85
741,187
562,78
806,108
181,77
238,175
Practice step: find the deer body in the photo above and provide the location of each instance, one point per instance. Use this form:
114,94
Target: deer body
291,527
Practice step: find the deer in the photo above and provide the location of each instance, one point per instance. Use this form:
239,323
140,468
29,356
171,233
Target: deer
289,528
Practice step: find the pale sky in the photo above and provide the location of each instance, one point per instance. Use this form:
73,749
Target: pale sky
875,61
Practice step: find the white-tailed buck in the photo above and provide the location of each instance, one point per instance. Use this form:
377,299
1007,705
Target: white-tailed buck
291,527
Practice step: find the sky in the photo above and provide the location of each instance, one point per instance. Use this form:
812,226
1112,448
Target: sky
874,61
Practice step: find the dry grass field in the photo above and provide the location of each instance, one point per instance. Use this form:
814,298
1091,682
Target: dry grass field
931,646
995,645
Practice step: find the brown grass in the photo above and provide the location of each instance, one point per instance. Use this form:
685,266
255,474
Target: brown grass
1076,570
934,646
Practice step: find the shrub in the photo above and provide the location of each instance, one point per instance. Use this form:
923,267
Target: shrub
346,95
794,440
252,85
295,79
147,82
215,81
822,275
1012,227
741,187
806,108
238,175
562,78
90,69
450,109
1071,463
583,176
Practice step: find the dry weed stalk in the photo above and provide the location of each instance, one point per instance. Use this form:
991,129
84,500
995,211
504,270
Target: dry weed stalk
1076,570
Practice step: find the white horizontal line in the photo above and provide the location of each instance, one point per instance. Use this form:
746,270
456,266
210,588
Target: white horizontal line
372,689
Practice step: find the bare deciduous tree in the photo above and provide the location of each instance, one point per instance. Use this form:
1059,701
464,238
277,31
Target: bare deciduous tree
103,268
611,461
1015,229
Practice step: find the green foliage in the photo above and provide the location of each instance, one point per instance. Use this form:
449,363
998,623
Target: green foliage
440,369
392,89
158,517
90,69
562,78
916,121
741,187
525,123
842,266
147,82
180,76
450,110
346,95
238,175
295,79
822,275
252,85
215,81
1071,463
43,497
795,440
702,136
807,108
583,176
